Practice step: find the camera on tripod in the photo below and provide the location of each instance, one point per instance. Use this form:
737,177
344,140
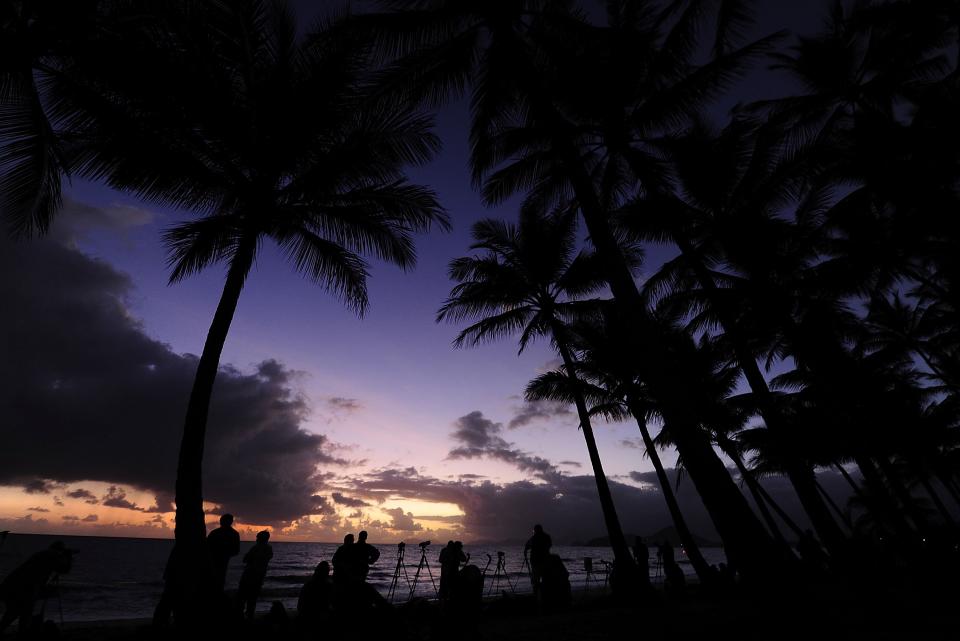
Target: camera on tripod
423,544
500,554
401,545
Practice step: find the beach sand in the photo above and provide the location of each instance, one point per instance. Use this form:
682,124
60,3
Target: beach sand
825,614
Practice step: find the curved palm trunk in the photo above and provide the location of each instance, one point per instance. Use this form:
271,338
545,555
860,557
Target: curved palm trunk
800,474
621,552
190,573
937,501
947,483
833,505
700,564
903,494
748,546
885,506
752,484
796,529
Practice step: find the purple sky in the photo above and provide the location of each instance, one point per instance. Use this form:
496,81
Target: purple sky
387,392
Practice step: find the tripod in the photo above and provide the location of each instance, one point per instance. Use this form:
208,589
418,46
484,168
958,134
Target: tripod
396,573
423,564
500,574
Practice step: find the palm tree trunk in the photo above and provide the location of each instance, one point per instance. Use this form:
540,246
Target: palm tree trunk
941,507
796,529
621,551
902,494
752,483
190,532
836,508
947,482
700,564
799,473
883,504
748,546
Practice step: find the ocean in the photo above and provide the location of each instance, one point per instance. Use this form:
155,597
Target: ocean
116,578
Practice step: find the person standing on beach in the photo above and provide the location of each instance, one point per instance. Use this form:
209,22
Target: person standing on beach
537,551
343,562
223,544
451,557
251,581
642,555
365,555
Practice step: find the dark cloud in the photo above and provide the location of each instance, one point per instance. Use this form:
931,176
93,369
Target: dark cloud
633,443
117,497
481,439
70,517
37,509
571,463
39,486
566,505
538,411
85,394
163,504
343,404
475,430
90,518
340,499
402,521
85,495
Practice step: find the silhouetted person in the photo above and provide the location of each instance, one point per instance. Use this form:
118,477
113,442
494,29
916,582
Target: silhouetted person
642,555
316,597
223,543
365,555
537,550
343,561
251,581
451,557
25,584
555,582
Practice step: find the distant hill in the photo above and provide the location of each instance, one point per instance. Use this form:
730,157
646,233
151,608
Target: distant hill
668,533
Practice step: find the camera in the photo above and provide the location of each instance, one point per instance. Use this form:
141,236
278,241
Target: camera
500,554
401,545
424,544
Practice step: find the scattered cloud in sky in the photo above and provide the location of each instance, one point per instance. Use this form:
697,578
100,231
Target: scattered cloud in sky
480,439
532,411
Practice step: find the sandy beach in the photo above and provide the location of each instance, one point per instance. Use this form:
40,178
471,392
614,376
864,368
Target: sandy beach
826,612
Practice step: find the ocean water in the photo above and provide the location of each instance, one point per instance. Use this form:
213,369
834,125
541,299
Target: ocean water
114,578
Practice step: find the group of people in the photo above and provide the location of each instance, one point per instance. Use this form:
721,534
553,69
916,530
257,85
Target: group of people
223,543
347,589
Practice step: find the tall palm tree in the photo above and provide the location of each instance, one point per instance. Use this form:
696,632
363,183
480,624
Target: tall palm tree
608,382
527,281
549,98
264,136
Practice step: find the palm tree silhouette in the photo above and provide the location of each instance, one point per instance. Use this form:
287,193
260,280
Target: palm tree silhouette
268,137
527,281
608,381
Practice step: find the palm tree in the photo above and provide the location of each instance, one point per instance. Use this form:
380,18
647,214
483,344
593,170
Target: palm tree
39,42
549,98
265,137
609,383
527,282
